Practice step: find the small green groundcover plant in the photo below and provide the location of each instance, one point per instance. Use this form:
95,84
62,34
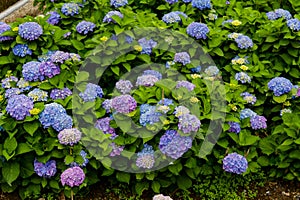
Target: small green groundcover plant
153,94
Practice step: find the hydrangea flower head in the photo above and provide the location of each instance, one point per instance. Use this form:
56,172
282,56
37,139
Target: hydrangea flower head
83,154
116,149
211,71
49,69
30,31
107,105
54,18
234,127
145,158
59,57
173,17
73,176
123,104
182,57
91,92
280,85
3,28
118,3
244,42
69,136
70,9
258,122
146,80
189,123
180,111
249,98
147,45
46,170
235,163
124,86
197,30
243,77
84,27
31,71
6,83
201,4
103,124
60,93
21,50
149,114
160,196
11,92
18,106
294,24
23,85
108,17
188,85
153,73
247,113
171,1
38,95
278,13
285,110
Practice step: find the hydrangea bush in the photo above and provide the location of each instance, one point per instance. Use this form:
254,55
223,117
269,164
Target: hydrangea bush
50,141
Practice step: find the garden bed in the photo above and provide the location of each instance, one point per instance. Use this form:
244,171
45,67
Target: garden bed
6,4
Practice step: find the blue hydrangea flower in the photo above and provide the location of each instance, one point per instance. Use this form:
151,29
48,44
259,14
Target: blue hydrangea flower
277,13
180,111
118,3
83,154
6,83
171,1
186,1
23,85
247,113
46,170
30,31
201,4
165,102
3,28
188,123
197,30
145,158
212,71
238,60
249,98
234,127
123,104
54,18
59,57
74,57
46,57
70,9
38,95
69,136
153,73
188,85
280,86
258,122
235,163
107,105
124,86
169,64
31,71
18,106
149,114
91,92
21,50
147,45
128,39
108,17
49,69
182,57
84,27
294,24
243,77
62,122
244,42
11,92
228,21
60,93
173,17
146,80
196,69
174,145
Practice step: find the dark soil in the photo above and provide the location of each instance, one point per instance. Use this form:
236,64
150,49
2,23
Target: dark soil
6,3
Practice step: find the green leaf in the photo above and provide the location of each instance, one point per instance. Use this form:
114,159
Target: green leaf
246,139
31,128
184,182
294,154
23,148
77,44
155,186
10,144
280,99
69,159
10,172
82,76
123,177
140,187
54,184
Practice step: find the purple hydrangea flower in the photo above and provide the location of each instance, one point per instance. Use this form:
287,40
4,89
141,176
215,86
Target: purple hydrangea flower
243,77
5,83
171,1
234,127
30,31
280,86
21,50
189,123
70,9
31,71
124,86
66,35
54,18
107,105
197,30
147,45
173,17
258,122
83,154
146,80
123,104
38,95
46,57
145,158
91,92
11,92
108,17
73,176
153,73
60,93
188,85
46,170
247,113
201,4
244,42
294,24
59,57
116,150
212,71
235,163
118,3
149,114
174,145
84,27
182,57
49,69
18,106
103,124
3,28
249,98
69,136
